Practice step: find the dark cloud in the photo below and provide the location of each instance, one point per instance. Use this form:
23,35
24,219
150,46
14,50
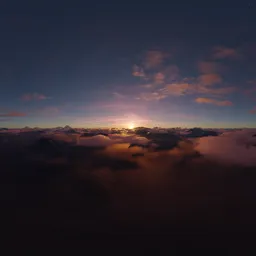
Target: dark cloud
63,190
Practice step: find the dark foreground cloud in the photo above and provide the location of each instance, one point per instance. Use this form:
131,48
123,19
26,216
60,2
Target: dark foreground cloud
69,189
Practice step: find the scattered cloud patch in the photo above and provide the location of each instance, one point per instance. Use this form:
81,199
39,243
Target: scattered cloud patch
154,59
213,101
33,96
138,71
171,73
152,96
202,89
177,89
209,67
183,88
118,95
210,79
222,52
253,111
13,114
159,78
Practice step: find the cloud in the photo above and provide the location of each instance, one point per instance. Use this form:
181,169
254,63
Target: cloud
183,88
167,81
147,86
209,67
177,89
222,52
118,95
253,111
202,89
234,147
209,79
138,71
154,59
159,78
213,101
171,73
152,96
13,114
33,96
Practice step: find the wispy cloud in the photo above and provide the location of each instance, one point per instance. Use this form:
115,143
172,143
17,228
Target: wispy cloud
159,78
210,67
202,89
210,79
177,89
12,114
154,59
183,88
213,101
118,95
34,96
221,52
250,90
166,81
138,71
171,73
253,111
152,96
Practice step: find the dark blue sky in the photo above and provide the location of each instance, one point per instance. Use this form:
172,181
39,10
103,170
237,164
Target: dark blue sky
113,64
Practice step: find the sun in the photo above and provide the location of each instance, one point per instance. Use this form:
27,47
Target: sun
131,125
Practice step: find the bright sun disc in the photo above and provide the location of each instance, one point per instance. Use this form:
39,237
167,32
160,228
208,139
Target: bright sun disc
131,125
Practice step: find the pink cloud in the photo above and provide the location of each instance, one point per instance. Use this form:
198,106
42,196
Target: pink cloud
177,89
213,101
154,59
209,67
13,114
232,147
209,79
213,91
171,73
138,71
253,111
222,52
33,96
159,78
152,96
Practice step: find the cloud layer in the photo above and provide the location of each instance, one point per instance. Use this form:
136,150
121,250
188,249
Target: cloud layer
232,147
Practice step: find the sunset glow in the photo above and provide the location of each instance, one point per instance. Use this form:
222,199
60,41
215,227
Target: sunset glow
131,125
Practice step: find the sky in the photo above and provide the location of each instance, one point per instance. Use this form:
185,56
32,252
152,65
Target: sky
113,64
